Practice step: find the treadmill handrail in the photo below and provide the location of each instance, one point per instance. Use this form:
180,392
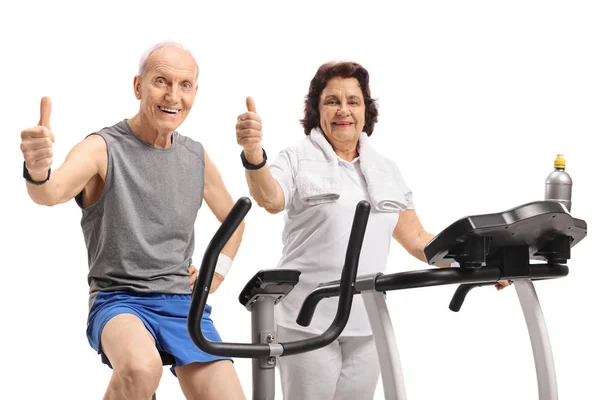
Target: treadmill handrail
425,278
257,350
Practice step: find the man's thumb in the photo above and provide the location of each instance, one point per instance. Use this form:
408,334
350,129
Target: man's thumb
45,109
250,104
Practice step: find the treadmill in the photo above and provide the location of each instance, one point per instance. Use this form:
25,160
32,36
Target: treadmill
527,243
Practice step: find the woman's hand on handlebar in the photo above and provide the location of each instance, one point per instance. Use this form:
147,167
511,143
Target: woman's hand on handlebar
502,284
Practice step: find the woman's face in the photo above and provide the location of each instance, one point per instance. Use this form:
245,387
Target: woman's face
342,109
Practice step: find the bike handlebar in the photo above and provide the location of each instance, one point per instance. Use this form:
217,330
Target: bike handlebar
258,350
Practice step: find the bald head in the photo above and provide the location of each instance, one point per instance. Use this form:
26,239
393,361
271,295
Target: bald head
169,52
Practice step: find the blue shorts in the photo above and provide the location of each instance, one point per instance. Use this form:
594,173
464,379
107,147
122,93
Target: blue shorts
165,317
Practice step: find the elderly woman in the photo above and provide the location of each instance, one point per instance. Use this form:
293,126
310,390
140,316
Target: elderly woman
318,183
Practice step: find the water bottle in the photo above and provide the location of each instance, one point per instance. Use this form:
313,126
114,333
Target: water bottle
559,183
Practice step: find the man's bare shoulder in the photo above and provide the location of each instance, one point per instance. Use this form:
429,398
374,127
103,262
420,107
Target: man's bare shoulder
93,146
94,141
89,154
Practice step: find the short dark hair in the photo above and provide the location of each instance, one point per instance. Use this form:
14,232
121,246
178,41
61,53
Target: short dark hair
343,69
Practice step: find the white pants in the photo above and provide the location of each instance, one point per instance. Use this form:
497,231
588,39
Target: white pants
346,369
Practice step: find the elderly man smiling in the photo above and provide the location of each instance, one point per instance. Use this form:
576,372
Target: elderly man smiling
140,185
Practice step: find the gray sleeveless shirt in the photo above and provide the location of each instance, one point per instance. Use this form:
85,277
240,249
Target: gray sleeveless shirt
140,233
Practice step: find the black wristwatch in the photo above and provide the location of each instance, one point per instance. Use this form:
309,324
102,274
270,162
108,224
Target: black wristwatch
247,165
28,177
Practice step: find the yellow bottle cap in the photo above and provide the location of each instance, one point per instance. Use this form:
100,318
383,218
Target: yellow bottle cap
560,162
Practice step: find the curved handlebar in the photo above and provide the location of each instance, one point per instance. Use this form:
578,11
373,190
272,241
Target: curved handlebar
205,276
552,270
323,291
257,350
461,292
359,226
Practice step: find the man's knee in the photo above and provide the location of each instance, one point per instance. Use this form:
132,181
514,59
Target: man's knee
132,352
137,371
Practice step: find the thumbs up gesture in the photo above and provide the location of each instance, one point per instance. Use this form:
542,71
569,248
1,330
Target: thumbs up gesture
36,144
248,130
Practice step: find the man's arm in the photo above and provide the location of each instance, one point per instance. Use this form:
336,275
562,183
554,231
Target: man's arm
220,202
83,162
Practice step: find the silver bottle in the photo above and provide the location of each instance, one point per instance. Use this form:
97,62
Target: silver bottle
559,183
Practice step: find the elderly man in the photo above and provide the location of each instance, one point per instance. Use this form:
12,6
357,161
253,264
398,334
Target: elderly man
140,185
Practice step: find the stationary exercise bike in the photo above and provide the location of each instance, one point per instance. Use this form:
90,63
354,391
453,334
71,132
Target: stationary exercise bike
489,248
261,294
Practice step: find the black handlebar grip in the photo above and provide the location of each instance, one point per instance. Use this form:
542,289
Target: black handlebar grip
257,350
462,291
309,305
207,270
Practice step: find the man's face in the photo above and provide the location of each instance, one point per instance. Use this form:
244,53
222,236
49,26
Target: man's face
167,88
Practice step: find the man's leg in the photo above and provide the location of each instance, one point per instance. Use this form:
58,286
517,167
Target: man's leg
212,380
132,352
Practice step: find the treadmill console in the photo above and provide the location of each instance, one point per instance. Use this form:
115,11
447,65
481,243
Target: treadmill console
540,230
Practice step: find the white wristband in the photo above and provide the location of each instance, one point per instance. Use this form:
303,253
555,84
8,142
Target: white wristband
223,265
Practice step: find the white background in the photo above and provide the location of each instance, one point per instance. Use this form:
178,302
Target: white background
476,98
